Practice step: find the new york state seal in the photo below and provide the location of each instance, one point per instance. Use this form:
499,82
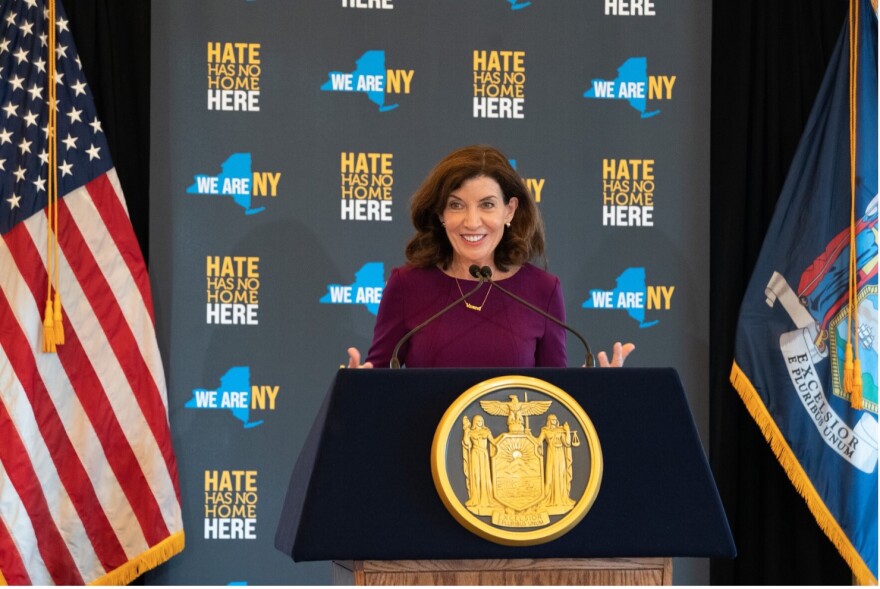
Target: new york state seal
511,479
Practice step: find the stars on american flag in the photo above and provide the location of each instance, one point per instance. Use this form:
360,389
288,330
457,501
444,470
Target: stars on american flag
24,114
70,142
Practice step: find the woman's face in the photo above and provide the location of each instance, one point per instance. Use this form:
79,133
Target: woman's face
474,219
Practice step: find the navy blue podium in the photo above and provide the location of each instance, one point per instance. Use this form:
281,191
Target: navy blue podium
362,489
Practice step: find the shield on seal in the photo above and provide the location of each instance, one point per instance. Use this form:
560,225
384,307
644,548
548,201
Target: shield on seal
517,471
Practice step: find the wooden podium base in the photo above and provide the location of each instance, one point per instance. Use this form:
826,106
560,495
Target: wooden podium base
548,571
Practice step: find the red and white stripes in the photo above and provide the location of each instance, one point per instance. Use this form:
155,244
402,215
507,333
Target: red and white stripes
88,478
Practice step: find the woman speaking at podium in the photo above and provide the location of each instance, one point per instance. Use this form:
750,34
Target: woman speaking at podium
476,224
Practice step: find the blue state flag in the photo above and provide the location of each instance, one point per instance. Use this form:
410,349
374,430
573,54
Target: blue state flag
796,316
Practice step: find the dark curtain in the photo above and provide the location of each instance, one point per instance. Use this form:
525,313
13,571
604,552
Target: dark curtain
768,59
113,41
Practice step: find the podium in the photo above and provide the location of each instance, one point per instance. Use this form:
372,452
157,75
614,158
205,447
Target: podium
362,494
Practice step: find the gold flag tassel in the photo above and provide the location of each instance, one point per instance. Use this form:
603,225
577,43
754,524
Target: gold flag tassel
852,367
58,319
49,327
53,327
848,365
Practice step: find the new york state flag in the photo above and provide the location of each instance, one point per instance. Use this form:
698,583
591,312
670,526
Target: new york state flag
812,295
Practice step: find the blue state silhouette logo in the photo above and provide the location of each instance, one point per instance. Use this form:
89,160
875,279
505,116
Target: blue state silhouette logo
369,77
235,181
631,84
365,290
630,294
233,395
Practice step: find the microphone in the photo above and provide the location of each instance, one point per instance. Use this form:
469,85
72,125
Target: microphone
486,273
475,272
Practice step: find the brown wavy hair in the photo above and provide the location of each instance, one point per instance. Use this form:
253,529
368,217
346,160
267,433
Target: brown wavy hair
522,242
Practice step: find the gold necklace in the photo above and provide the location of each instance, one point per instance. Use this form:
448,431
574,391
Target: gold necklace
470,306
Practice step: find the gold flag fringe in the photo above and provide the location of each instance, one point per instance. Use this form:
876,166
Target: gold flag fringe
150,559
136,567
792,466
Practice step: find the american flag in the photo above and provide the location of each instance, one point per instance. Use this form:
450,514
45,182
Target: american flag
88,478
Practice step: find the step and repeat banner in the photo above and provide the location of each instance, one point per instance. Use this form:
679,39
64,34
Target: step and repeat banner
287,139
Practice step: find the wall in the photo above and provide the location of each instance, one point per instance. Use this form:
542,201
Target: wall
279,245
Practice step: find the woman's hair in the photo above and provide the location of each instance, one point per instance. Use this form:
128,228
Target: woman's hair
522,241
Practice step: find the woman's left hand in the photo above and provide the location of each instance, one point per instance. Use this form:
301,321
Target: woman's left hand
621,351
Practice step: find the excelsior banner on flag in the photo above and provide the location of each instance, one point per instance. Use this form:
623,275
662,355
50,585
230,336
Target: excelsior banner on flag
88,477
792,366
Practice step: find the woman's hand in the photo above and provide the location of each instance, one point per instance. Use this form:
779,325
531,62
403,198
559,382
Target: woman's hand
354,359
621,351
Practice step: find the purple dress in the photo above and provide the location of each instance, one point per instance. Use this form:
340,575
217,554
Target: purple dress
504,334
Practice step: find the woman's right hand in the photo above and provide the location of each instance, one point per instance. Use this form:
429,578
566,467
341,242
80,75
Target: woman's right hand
354,359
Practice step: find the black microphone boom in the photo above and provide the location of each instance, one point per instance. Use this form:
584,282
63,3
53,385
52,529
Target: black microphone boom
486,273
475,272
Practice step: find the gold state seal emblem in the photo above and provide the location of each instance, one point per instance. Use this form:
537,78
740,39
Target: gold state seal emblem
516,487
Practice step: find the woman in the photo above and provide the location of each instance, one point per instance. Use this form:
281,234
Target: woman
473,209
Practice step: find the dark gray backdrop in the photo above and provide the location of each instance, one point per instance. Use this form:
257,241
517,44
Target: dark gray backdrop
303,246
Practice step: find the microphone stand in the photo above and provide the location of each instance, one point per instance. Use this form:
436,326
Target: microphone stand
475,272
486,273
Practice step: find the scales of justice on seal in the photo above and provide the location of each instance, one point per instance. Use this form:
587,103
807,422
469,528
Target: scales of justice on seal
566,476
